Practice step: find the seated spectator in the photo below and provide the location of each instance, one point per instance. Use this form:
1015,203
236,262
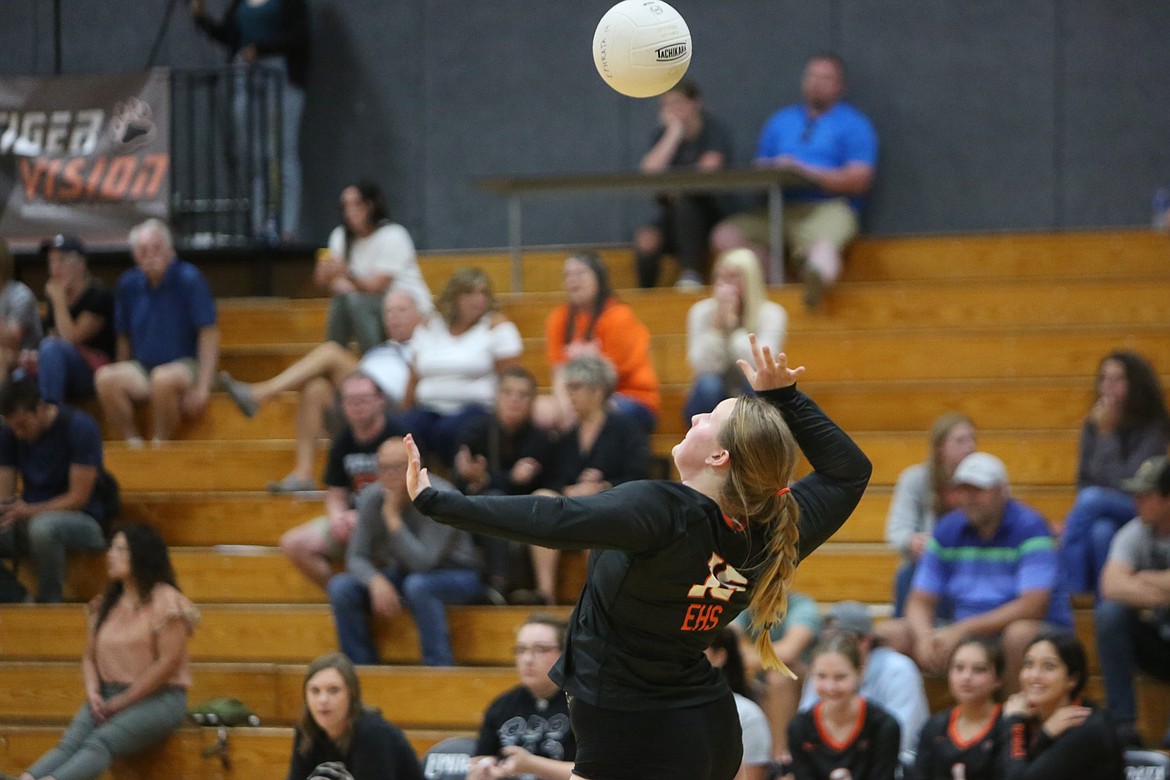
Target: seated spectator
793,640
1048,730
687,137
594,322
504,454
338,738
844,730
79,325
1132,619
317,377
368,255
757,735
966,740
889,678
1127,424
56,451
718,328
314,547
458,354
922,494
399,558
603,450
134,669
168,341
20,320
834,146
994,561
526,731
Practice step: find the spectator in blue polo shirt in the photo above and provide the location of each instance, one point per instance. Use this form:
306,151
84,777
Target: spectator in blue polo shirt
994,560
832,145
168,341
56,452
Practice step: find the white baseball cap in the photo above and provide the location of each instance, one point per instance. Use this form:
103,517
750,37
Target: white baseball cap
982,470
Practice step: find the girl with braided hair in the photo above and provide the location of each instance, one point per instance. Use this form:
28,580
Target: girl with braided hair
672,563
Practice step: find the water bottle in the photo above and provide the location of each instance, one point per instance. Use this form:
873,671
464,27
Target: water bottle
1161,209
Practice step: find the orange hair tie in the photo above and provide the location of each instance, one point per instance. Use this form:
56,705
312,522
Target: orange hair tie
783,490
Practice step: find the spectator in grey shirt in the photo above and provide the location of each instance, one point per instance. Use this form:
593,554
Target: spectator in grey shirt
400,558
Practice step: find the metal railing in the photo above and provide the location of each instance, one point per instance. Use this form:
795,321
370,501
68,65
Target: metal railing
226,156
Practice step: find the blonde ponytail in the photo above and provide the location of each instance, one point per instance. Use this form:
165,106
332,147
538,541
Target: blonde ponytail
762,454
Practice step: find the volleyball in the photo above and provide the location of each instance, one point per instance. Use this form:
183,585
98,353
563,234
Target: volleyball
642,47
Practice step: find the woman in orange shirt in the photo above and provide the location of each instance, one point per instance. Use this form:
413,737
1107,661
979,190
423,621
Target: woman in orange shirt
593,322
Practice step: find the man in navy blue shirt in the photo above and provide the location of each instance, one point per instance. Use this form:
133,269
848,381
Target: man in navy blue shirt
832,145
168,341
57,453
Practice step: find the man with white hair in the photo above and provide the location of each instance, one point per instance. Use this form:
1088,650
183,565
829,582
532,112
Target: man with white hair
167,342
994,562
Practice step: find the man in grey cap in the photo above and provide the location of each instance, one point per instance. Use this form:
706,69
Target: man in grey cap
889,678
1132,619
994,561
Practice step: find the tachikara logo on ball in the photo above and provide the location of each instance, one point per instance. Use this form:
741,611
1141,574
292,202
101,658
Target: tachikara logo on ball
642,47
675,51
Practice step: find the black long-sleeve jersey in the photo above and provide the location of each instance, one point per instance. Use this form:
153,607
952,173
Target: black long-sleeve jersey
667,568
940,750
1089,751
869,753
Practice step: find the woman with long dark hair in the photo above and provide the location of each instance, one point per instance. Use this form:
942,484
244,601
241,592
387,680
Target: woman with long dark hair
593,322
1049,732
369,254
135,666
1126,425
337,737
672,563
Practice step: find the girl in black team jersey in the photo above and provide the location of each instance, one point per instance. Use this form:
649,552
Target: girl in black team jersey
672,563
844,736
965,742
1050,733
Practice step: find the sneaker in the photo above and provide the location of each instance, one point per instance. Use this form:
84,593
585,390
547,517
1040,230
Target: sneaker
527,598
814,289
240,393
688,280
292,484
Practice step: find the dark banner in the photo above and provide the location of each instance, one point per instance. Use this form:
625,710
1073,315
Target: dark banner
86,155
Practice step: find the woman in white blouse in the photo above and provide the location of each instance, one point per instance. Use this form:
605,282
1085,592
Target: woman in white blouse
718,328
368,255
458,354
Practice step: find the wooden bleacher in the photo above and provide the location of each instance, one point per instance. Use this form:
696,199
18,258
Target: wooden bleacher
1006,328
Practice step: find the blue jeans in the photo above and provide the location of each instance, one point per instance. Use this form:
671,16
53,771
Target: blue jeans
436,433
62,372
425,593
87,748
1125,643
1088,530
51,535
903,579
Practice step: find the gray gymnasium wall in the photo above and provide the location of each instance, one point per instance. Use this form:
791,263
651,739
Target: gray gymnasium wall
993,114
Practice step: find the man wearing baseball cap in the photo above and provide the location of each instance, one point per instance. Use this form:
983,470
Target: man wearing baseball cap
994,562
1132,619
79,325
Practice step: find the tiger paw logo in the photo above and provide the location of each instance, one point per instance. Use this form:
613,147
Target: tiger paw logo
132,125
722,582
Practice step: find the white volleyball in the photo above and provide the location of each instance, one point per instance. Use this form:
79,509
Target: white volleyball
642,48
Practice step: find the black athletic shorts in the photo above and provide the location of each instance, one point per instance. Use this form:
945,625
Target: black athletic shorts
687,743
